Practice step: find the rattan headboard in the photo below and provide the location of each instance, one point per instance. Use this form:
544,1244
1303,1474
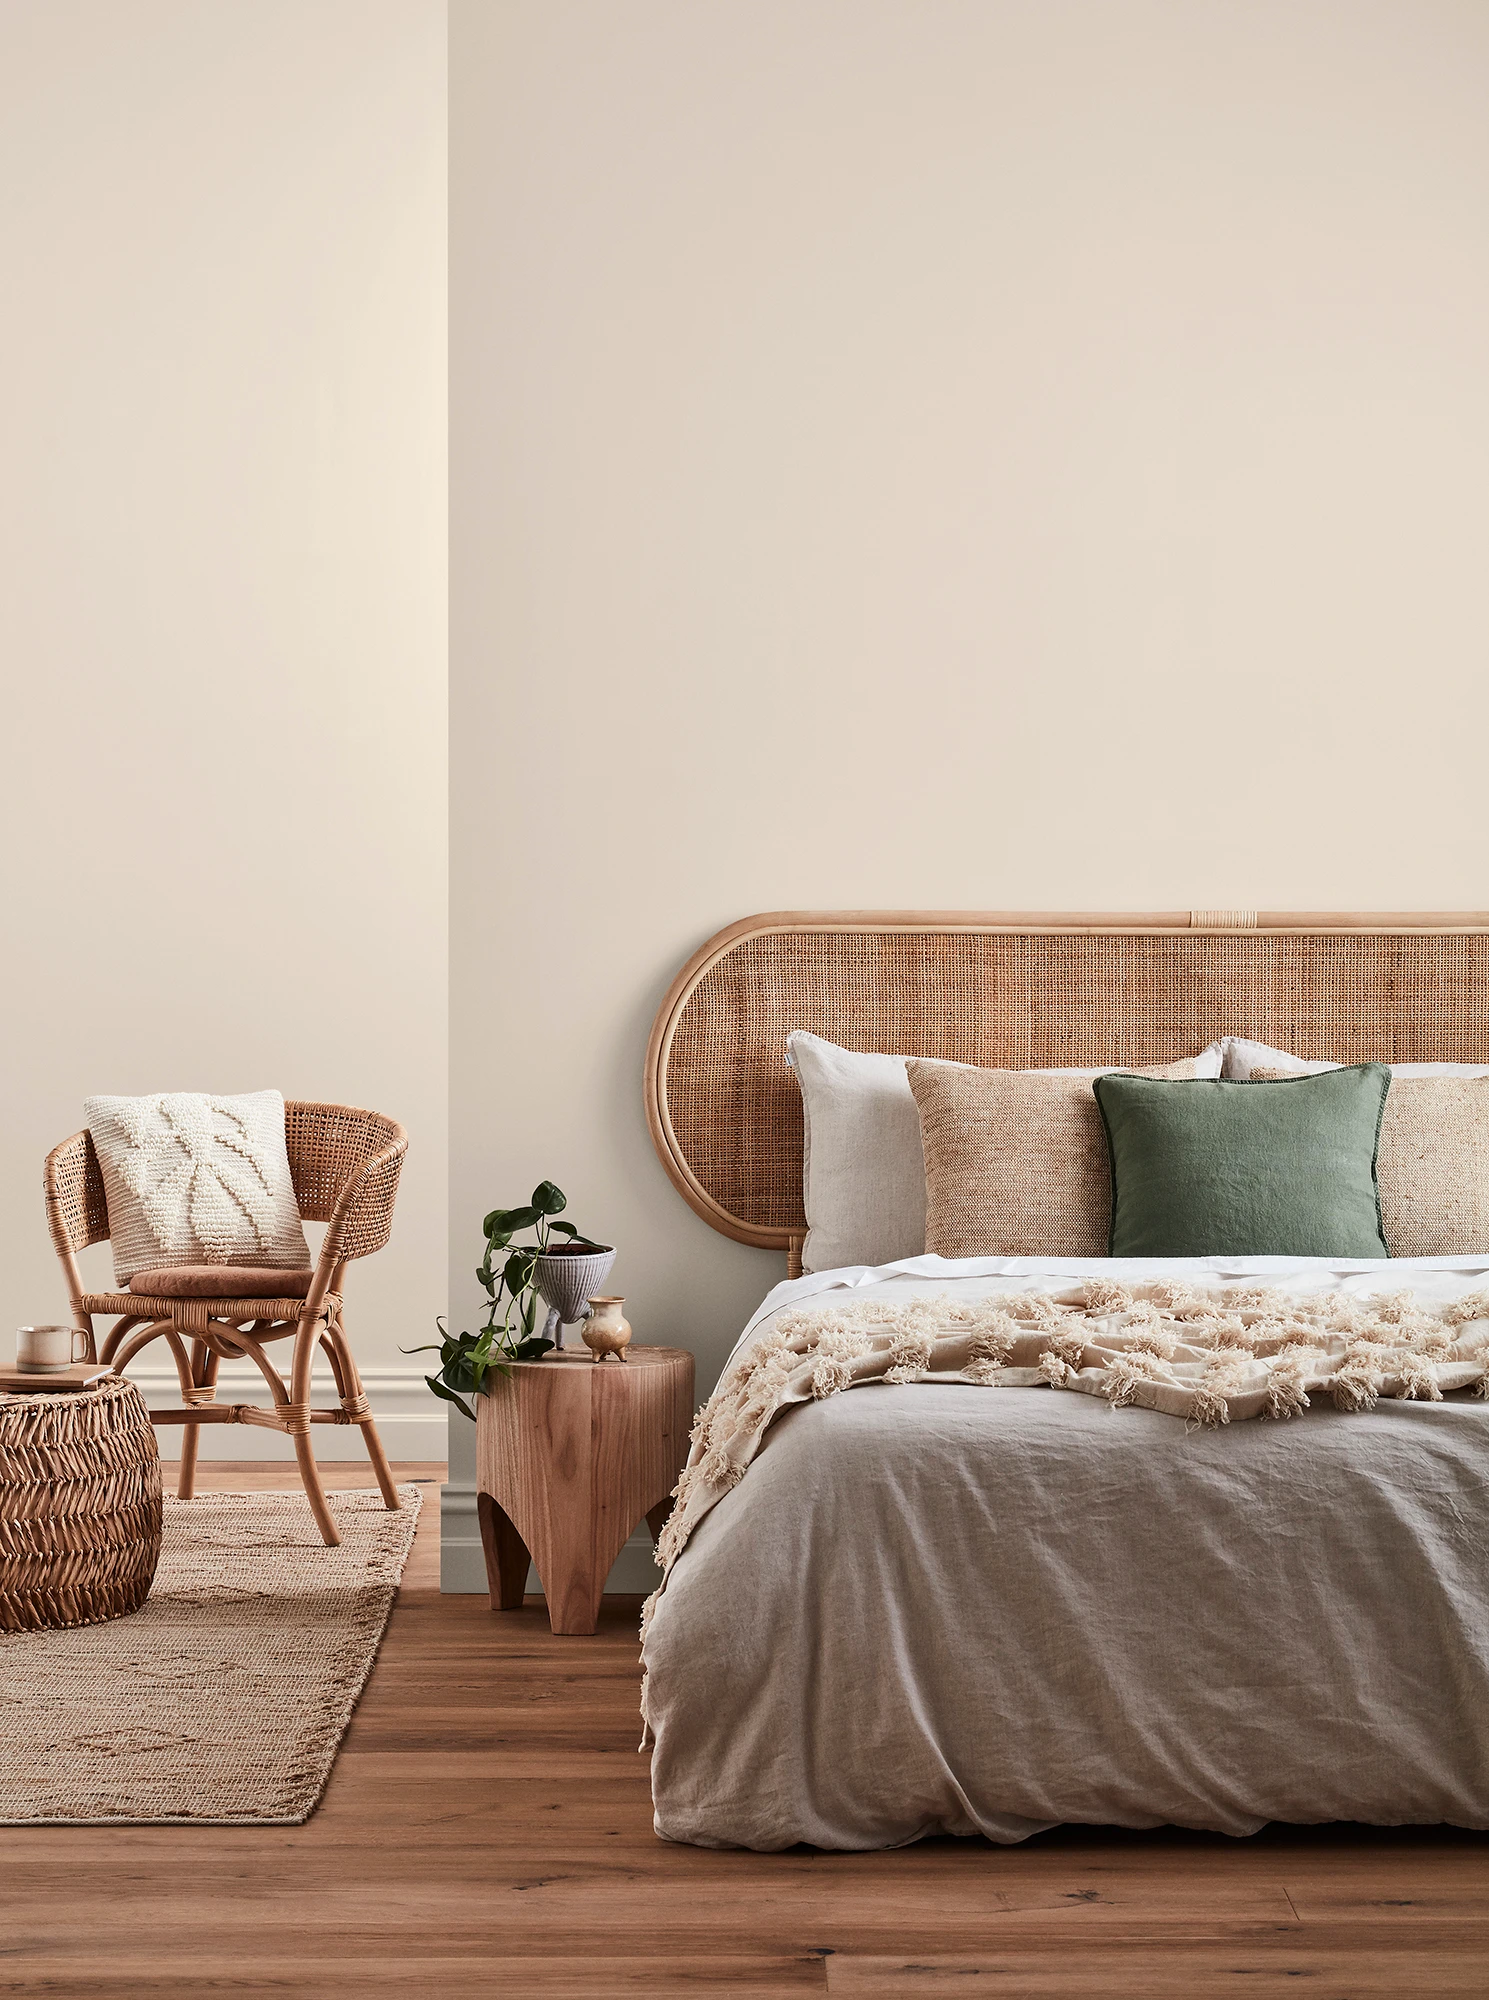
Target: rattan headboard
1025,991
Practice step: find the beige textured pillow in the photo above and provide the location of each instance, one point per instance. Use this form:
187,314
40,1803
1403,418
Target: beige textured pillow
1015,1161
1432,1164
195,1179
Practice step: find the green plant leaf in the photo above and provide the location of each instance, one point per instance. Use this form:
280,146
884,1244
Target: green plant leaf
548,1199
449,1396
446,1340
562,1229
505,1222
529,1350
518,1270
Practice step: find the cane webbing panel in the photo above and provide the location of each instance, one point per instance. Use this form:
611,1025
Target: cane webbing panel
725,1108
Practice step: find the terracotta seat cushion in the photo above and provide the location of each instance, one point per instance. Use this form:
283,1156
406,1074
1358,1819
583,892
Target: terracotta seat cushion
220,1281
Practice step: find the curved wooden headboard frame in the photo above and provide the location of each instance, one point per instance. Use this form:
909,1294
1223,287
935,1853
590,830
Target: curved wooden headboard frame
1361,999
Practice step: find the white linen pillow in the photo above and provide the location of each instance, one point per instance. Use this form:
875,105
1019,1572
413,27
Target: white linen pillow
863,1168
1241,1057
196,1179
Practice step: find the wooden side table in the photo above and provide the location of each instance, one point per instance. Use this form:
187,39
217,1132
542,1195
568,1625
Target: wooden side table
570,1454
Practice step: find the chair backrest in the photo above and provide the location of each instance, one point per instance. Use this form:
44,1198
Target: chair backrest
330,1147
77,1208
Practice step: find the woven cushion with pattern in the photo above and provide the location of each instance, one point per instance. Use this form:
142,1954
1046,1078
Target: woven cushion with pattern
194,1179
1015,1160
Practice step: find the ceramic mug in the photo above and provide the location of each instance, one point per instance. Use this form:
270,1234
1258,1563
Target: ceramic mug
41,1348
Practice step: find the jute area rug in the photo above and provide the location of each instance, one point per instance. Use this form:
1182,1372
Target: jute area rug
224,1699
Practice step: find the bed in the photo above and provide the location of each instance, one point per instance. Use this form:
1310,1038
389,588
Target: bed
931,1607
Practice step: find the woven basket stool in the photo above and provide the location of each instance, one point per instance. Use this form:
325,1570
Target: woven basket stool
79,1506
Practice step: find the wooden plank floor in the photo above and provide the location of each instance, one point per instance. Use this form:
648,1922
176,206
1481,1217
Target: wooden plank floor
487,1831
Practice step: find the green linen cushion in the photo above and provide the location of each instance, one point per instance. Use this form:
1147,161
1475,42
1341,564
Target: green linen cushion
1233,1169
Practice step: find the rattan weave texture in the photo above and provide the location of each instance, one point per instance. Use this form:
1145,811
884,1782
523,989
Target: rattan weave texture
329,1145
80,1507
727,1113
77,1206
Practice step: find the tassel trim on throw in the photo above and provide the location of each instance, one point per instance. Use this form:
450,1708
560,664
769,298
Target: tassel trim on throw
1205,1357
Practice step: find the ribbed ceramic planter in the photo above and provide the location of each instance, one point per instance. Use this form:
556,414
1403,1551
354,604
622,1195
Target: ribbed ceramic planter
565,1281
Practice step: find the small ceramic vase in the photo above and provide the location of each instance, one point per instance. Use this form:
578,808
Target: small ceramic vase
607,1330
565,1278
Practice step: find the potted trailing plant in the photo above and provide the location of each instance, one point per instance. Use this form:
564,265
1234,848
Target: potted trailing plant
513,1285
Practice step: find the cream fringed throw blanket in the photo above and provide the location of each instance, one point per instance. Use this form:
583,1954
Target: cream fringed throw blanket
1206,1357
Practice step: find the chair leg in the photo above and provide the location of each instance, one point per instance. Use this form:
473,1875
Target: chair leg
380,1465
349,1384
306,1336
315,1493
204,1363
186,1477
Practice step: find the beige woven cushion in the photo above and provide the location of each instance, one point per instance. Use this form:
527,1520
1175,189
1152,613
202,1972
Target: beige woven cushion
220,1281
1432,1164
195,1179
1015,1161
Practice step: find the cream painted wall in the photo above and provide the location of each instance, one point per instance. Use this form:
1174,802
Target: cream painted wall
955,454
222,592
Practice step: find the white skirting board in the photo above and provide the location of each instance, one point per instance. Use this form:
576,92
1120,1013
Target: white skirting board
462,1566
410,1421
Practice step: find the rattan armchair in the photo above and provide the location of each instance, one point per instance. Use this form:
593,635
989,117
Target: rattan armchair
345,1165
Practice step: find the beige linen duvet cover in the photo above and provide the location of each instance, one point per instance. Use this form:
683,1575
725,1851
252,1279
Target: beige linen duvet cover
934,1607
